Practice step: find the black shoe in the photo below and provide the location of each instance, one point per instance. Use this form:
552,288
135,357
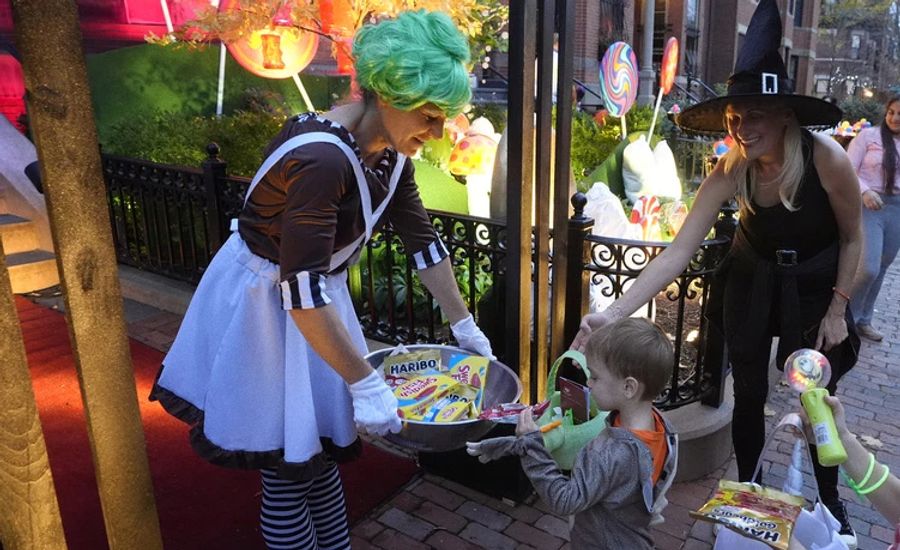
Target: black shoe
846,532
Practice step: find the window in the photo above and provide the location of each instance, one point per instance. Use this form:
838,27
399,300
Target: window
855,41
691,47
821,84
793,69
798,13
791,6
612,23
692,13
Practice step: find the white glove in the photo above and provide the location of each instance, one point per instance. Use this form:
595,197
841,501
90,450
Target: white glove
471,338
374,405
490,449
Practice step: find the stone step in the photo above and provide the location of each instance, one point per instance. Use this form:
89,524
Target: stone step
704,435
32,270
18,234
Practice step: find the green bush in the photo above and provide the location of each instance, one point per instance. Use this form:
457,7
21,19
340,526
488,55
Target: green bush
856,108
138,81
592,143
162,138
497,113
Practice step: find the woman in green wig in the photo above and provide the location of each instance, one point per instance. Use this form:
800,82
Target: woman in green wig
268,365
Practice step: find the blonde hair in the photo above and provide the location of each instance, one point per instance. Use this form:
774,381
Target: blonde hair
637,348
737,168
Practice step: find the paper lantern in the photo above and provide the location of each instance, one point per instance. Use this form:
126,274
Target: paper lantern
343,48
277,51
337,19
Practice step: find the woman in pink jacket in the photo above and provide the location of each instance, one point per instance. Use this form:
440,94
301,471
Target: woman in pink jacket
874,154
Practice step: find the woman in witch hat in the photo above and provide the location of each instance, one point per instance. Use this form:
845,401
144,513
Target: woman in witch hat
796,248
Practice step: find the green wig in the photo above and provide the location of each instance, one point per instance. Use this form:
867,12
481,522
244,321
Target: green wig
420,57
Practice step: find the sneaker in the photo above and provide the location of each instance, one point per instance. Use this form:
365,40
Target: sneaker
868,331
846,532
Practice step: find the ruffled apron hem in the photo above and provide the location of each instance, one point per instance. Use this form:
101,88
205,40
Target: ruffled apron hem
251,460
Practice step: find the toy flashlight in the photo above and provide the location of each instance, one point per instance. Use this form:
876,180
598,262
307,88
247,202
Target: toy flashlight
807,371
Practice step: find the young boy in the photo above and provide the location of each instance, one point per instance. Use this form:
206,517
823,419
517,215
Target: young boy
616,487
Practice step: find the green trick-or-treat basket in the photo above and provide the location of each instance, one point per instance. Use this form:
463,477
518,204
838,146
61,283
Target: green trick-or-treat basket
565,441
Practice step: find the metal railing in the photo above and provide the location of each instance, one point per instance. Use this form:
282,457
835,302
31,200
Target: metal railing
610,265
170,220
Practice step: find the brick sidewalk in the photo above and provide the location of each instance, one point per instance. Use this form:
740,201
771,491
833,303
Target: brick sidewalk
431,512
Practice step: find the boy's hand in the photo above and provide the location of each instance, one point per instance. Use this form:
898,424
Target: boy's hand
490,449
526,423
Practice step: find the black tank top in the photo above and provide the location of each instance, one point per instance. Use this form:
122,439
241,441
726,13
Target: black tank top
808,230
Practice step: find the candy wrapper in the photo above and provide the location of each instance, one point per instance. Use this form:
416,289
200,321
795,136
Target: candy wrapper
756,512
471,370
508,413
402,367
416,396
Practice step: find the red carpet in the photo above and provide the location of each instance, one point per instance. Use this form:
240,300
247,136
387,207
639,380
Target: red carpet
200,506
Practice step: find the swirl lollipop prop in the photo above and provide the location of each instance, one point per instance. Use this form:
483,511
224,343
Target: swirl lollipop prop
618,81
806,371
667,71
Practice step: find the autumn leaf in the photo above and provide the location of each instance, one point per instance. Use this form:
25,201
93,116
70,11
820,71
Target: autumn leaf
871,442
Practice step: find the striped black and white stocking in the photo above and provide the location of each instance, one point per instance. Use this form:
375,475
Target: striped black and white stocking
304,515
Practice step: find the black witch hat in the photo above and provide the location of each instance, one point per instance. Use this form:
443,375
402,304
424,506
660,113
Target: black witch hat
759,73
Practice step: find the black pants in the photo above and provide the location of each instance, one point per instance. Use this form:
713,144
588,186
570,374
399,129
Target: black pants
748,426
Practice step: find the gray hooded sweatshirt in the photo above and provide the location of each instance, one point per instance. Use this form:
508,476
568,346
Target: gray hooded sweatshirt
610,489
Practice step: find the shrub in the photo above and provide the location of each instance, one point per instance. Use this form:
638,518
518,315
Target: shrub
162,138
856,108
592,143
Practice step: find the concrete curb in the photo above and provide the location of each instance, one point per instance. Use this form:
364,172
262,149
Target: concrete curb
155,290
704,435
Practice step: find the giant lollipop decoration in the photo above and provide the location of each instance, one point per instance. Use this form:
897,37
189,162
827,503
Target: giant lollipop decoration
806,371
667,71
618,81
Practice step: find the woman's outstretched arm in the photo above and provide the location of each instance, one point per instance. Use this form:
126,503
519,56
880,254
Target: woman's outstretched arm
715,190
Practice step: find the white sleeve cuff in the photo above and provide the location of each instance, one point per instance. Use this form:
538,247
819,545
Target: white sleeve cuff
431,254
305,290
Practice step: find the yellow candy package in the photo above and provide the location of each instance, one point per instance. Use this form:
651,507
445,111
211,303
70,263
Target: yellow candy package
413,362
471,370
416,395
756,512
447,409
402,367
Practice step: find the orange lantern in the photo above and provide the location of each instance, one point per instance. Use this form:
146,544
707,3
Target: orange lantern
336,17
277,51
337,21
343,48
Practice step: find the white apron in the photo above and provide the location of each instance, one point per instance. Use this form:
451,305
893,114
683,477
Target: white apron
240,359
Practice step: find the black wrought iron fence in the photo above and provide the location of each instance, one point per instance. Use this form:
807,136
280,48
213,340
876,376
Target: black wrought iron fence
398,308
170,220
614,264
159,215
609,266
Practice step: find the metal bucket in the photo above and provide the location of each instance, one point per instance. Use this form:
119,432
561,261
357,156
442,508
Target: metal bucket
502,386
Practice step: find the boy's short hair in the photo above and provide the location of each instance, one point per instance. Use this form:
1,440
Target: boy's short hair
634,347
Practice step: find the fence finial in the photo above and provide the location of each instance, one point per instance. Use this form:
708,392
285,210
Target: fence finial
579,201
212,150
